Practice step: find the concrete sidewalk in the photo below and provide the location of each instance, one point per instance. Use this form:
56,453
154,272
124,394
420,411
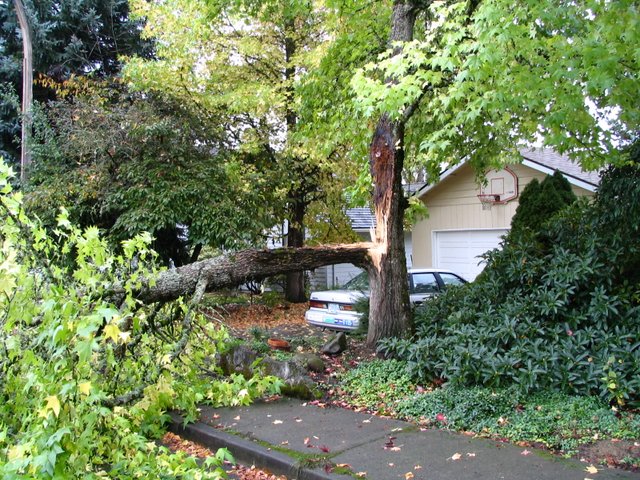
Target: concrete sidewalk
305,442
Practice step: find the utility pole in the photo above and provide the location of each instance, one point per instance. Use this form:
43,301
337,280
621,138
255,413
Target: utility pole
27,91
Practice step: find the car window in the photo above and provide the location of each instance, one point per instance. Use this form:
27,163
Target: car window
360,282
424,283
451,279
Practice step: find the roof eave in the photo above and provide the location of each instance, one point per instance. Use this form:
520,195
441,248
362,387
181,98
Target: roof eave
591,187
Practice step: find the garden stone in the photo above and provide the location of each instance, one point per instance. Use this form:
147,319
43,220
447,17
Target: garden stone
242,359
309,361
336,345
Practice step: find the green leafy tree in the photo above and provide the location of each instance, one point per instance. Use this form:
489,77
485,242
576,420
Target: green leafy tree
128,163
244,58
539,201
481,78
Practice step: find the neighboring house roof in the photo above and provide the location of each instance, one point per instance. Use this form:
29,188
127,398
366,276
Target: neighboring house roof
544,160
363,219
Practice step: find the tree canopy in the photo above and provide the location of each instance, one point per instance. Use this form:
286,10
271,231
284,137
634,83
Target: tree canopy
492,75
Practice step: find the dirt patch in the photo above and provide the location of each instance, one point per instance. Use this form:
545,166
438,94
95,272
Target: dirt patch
235,472
613,453
287,322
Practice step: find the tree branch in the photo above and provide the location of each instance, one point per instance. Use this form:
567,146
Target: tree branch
237,268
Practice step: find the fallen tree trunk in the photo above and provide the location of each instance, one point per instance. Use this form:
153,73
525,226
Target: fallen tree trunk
237,268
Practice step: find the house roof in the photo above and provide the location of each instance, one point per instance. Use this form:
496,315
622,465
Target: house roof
544,160
362,218
546,157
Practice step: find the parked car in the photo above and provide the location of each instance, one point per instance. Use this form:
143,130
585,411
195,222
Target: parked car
335,309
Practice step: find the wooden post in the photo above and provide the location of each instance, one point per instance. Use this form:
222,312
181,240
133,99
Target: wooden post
27,91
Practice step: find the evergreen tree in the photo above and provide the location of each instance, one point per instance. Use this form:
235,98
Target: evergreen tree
70,37
539,201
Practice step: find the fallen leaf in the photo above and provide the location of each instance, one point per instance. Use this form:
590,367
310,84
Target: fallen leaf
306,441
395,449
85,388
366,421
408,475
591,469
324,448
237,418
417,467
286,442
456,456
471,454
525,452
361,474
343,465
277,422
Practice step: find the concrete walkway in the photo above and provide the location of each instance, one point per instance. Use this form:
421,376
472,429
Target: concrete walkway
305,442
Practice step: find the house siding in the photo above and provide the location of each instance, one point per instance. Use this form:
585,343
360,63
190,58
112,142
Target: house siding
453,205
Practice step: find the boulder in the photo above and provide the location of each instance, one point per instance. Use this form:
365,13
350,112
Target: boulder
309,361
336,345
242,359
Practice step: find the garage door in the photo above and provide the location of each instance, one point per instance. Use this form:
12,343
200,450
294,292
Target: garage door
459,250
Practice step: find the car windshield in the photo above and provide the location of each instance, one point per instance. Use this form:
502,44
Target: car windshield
360,282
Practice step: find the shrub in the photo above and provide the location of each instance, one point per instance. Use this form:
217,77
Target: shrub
562,314
86,372
539,201
557,420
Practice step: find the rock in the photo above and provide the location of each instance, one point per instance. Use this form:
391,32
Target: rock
336,345
309,361
242,359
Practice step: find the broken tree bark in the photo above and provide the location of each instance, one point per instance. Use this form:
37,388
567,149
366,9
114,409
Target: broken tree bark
389,311
237,268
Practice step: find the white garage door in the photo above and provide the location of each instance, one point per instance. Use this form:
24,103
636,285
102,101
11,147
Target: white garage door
458,250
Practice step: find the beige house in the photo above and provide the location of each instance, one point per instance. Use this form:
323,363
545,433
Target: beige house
466,219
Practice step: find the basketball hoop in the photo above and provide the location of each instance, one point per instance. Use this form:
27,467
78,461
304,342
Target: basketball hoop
488,200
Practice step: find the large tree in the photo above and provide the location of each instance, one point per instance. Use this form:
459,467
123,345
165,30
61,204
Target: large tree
69,37
481,78
245,58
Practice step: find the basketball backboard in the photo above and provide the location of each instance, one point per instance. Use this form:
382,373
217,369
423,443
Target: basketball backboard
501,184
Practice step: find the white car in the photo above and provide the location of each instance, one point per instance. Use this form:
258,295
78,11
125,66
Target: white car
335,309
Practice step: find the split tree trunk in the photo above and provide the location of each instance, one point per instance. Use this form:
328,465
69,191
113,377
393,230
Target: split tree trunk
27,90
389,311
238,268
